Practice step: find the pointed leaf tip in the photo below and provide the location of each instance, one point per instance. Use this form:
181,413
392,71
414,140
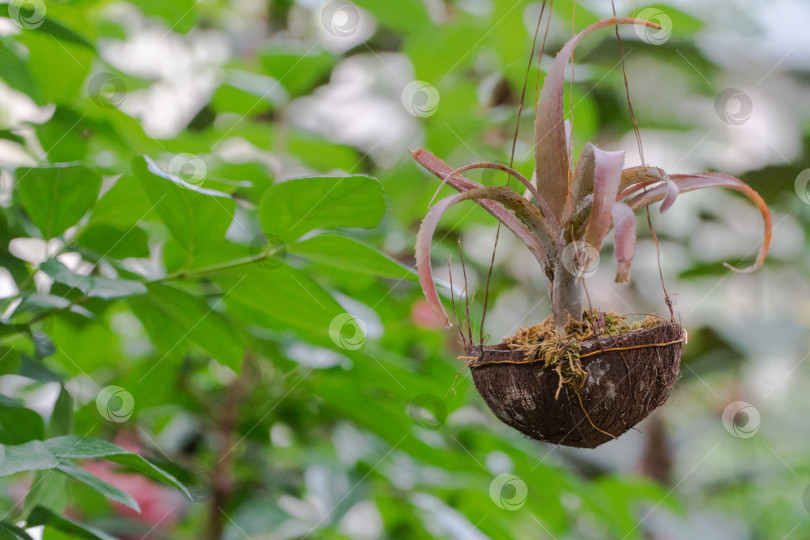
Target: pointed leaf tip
423,265
550,138
691,182
672,194
624,240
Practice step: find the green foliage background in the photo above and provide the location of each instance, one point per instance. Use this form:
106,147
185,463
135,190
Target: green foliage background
266,342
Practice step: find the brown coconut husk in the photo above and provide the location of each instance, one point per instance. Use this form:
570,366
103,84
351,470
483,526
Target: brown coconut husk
580,388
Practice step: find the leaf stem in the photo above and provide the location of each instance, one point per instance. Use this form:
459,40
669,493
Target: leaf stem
174,276
218,267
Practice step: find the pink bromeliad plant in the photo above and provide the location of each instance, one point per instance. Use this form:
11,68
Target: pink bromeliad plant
566,205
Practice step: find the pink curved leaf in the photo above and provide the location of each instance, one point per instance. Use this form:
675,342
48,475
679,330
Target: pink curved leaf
441,170
691,182
502,194
532,190
635,179
624,240
635,188
672,193
607,173
423,264
550,146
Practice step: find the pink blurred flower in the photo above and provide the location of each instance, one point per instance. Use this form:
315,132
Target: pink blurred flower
423,315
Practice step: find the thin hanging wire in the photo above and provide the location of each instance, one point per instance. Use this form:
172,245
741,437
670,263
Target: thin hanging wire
636,130
466,293
570,147
540,56
627,91
512,157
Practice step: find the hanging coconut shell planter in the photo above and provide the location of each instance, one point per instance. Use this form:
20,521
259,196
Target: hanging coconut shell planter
581,377
625,378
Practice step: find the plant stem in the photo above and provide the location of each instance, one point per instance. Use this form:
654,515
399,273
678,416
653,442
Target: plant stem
218,267
223,485
174,276
566,297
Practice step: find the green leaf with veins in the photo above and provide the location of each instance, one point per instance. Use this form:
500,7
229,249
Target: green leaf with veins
117,243
30,456
350,255
48,490
123,206
195,216
95,286
76,447
294,207
177,321
56,197
280,298
108,490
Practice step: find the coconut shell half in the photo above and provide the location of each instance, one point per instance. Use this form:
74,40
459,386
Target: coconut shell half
623,386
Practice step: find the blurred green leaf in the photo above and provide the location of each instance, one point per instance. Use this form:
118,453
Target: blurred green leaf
43,345
247,94
65,136
177,321
11,136
620,496
18,425
55,197
48,490
404,15
60,68
90,285
350,255
205,215
117,243
9,531
179,15
108,490
75,447
14,70
37,20
123,206
281,298
36,370
298,70
322,154
43,516
291,208
9,357
30,456
61,421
